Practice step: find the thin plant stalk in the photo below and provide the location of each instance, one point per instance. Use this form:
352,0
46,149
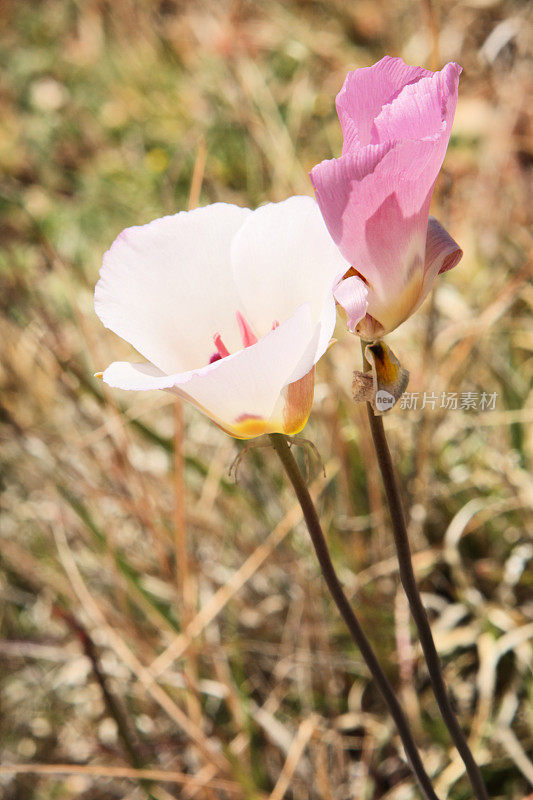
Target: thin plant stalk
318,539
407,577
114,708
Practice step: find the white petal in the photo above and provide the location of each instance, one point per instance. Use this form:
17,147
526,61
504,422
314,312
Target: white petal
167,287
242,389
136,377
283,256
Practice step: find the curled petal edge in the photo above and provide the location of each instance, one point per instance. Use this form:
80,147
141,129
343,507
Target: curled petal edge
442,254
441,250
351,294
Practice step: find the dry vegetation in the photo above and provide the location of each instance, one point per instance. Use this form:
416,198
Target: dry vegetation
228,673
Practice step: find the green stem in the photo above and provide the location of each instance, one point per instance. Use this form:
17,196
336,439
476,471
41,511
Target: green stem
330,576
407,577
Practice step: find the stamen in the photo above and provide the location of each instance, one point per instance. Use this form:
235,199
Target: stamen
220,346
247,335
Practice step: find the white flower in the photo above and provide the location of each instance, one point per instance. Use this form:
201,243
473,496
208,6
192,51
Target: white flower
231,307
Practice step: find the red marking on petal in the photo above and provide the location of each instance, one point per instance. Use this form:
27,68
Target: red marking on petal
275,325
247,335
220,346
215,357
245,417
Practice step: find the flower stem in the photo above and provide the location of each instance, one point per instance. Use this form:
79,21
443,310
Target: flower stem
282,448
407,577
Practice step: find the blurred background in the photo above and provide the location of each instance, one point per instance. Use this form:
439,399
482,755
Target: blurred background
155,613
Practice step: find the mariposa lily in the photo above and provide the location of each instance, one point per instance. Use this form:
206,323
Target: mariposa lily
232,309
396,122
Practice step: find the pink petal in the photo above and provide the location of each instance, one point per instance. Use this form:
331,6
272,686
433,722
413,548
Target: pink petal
423,110
364,93
375,202
375,199
334,180
442,254
351,294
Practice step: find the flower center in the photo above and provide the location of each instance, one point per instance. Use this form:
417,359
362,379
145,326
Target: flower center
248,338
247,335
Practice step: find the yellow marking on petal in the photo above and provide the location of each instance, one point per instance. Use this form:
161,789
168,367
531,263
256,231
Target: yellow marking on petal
248,428
399,306
299,402
99,375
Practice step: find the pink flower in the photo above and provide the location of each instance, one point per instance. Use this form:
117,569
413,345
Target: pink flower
396,122
231,307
